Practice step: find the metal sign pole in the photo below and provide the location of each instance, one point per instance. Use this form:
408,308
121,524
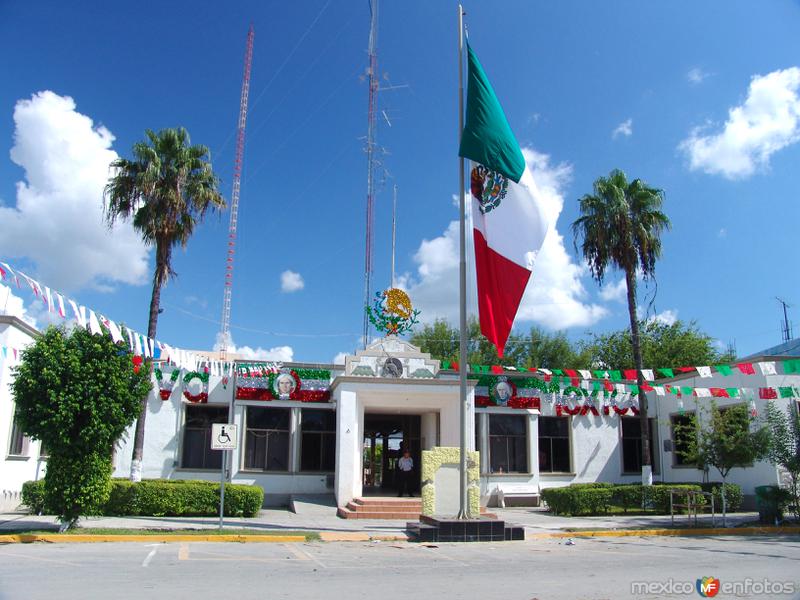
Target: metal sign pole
223,438
222,489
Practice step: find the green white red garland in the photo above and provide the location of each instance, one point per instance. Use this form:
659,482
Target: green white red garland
202,397
165,387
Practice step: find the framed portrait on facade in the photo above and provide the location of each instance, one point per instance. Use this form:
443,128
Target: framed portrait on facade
284,386
392,367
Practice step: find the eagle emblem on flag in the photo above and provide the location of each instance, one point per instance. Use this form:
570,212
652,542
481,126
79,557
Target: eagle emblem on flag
488,187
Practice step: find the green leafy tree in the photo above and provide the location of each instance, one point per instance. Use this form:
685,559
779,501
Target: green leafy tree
620,226
538,349
724,439
662,345
165,190
77,393
783,448
549,350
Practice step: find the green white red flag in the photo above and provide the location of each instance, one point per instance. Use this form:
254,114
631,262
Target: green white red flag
509,223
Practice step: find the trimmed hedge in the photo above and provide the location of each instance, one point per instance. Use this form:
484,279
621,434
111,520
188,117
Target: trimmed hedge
33,496
164,497
592,499
733,495
578,500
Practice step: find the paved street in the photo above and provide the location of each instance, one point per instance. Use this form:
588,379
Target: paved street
542,569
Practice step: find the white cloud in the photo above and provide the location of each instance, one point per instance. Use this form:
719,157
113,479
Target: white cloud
625,128
722,233
696,75
291,282
616,292
339,358
667,317
14,306
555,297
767,121
58,218
278,353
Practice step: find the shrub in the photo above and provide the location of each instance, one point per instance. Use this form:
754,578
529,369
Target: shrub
77,485
628,496
578,499
33,496
588,499
658,496
162,497
591,485
733,495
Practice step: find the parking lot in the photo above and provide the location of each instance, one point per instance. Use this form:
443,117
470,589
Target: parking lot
542,569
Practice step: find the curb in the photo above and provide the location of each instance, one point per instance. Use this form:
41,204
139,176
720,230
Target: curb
63,538
68,538
722,531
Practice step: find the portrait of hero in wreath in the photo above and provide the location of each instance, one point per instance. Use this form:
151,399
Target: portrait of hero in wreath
392,367
284,385
503,393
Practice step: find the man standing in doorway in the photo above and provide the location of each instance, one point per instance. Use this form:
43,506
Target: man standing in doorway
405,467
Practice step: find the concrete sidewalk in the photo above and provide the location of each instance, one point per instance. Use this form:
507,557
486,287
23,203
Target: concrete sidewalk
534,520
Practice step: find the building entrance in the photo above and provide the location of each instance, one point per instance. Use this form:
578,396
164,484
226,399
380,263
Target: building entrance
385,438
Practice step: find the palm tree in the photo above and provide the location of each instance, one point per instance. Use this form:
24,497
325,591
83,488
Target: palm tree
621,225
165,190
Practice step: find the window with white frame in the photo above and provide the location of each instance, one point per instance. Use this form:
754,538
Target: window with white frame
197,452
508,443
266,445
18,442
554,455
318,440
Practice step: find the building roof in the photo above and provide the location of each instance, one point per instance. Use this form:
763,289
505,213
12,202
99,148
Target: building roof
790,348
19,324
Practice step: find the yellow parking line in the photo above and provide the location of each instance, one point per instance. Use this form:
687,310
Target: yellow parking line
63,538
665,532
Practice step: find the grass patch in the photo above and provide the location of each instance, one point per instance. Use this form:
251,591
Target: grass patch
310,536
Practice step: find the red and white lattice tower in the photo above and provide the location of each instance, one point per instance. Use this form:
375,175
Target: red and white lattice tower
237,181
372,73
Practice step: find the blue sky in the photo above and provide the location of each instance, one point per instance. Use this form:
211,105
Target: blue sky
700,99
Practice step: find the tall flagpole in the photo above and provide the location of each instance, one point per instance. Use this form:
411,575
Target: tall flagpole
463,511
394,228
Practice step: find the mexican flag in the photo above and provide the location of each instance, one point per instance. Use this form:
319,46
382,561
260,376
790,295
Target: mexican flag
509,223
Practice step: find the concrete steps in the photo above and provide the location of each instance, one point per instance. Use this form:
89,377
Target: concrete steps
382,508
388,508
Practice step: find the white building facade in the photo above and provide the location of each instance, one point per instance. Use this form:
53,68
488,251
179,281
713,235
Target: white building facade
338,430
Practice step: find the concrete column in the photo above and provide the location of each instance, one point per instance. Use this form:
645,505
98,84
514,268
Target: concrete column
429,423
349,434
533,446
482,423
294,440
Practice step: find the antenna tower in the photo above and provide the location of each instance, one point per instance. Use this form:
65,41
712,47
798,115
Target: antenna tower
237,181
786,326
372,72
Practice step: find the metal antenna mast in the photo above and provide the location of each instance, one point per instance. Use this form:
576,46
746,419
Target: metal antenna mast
237,182
786,327
372,72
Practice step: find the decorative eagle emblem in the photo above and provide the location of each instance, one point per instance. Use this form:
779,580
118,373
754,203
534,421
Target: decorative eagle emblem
488,187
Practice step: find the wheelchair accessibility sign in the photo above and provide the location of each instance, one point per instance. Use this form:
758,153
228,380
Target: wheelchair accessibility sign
223,436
